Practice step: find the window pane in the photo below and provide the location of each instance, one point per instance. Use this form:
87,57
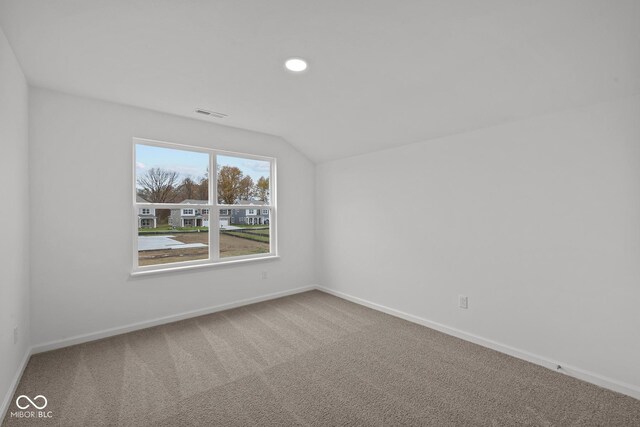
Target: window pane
167,175
167,236
244,232
241,180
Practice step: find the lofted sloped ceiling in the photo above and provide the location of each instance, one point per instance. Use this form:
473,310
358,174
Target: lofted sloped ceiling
382,72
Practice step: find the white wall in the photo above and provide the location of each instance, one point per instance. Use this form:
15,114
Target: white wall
14,241
537,222
81,174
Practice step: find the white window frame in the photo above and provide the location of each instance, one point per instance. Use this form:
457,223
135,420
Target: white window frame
214,212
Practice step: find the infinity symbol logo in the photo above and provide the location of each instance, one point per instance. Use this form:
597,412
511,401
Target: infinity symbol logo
22,397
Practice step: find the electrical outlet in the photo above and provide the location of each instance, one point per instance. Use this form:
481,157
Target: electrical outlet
265,275
15,335
463,301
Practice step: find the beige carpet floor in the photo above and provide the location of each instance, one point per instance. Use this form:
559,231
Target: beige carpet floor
307,359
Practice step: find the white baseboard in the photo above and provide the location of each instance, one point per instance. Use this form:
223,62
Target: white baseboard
6,402
582,374
79,339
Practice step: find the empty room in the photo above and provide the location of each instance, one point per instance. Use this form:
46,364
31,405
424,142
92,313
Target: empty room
320,213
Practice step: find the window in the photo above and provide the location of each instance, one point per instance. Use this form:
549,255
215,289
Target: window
169,176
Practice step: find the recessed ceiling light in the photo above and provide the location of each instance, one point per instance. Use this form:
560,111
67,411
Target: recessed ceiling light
297,65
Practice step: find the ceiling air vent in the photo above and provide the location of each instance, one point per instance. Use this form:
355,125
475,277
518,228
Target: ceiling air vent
211,113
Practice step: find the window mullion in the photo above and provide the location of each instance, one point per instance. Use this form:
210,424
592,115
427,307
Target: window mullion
214,212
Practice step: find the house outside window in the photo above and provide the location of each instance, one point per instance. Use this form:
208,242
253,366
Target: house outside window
146,217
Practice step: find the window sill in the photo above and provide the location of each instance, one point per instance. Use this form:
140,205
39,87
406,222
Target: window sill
229,263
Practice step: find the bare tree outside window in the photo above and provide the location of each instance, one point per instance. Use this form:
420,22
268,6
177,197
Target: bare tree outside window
158,185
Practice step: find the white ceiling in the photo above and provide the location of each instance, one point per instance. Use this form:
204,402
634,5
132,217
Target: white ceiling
382,72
